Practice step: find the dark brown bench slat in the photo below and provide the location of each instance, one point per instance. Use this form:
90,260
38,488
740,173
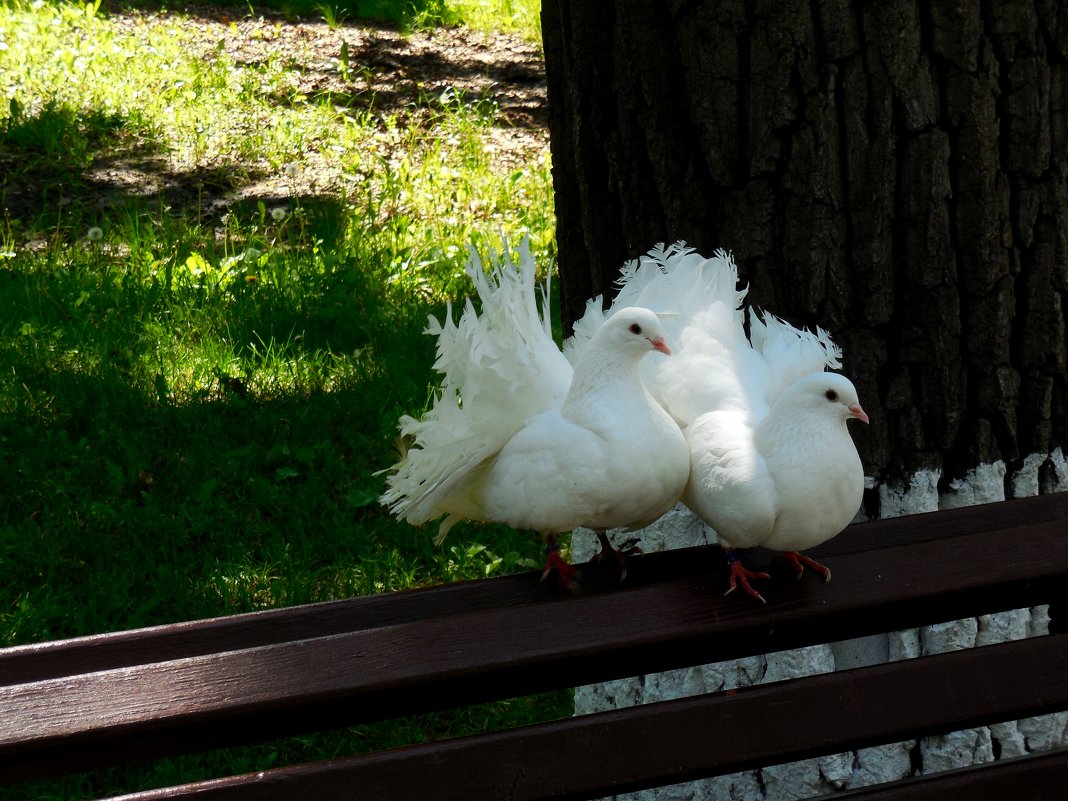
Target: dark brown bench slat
912,529
122,649
496,653
690,738
179,640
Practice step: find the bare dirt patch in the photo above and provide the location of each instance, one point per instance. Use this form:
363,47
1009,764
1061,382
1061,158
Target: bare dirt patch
389,74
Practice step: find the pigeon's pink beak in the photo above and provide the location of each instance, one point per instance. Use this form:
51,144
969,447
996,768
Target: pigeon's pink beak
660,345
858,413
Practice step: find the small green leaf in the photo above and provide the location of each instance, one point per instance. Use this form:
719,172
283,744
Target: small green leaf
206,489
359,498
197,264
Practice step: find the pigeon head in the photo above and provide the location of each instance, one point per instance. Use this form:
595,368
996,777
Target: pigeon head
827,393
633,330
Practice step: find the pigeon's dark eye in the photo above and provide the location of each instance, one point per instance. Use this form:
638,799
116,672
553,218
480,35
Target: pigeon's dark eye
831,395
635,328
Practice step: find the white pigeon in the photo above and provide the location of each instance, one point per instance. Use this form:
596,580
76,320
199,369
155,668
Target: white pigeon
772,462
519,436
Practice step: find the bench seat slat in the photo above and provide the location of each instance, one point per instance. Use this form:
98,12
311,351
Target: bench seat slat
387,671
176,641
673,741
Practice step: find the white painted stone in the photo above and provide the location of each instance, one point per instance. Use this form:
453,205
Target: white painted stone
687,791
584,545
672,684
1039,621
1044,731
861,652
675,792
903,644
801,662
733,674
733,787
982,484
882,763
1024,482
616,694
793,780
919,495
1056,477
952,636
837,769
1008,738
1003,626
679,528
960,748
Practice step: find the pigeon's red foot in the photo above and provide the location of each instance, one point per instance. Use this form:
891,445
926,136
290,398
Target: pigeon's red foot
565,573
740,574
800,562
608,551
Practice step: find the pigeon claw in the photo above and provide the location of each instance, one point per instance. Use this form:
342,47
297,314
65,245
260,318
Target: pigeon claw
566,574
800,562
608,551
740,575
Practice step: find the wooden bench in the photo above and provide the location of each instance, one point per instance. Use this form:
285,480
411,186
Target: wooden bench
115,698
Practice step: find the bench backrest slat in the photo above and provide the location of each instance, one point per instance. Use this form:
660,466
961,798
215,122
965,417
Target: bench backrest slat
673,741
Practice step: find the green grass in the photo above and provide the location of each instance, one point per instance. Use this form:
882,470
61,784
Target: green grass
515,16
194,406
522,17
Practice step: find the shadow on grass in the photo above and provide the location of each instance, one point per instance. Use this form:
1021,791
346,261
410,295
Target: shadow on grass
44,156
66,162
122,509
394,79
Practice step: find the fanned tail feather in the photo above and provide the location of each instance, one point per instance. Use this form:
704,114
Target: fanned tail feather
678,284
674,281
584,328
701,310
506,351
789,353
695,299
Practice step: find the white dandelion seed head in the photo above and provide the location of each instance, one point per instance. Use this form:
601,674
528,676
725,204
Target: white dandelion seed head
279,213
293,170
94,234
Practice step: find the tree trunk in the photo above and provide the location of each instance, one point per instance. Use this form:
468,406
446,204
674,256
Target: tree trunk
894,172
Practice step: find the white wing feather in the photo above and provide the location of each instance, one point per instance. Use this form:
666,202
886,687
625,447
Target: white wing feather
506,352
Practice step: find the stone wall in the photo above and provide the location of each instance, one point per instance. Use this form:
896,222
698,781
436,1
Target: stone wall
679,528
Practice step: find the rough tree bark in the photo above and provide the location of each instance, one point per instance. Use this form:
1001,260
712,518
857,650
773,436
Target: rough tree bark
892,171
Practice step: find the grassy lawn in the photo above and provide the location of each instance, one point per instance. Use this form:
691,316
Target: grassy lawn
217,255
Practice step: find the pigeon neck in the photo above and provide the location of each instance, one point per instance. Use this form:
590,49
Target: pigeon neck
600,370
804,428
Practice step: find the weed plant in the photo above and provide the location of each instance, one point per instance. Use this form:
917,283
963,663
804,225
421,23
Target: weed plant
194,406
